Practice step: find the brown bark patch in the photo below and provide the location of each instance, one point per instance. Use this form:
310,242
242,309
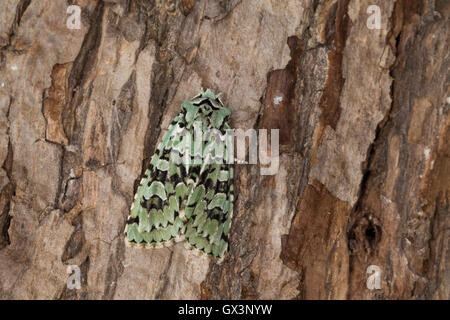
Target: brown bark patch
278,103
330,101
54,104
436,194
6,195
95,137
187,6
316,245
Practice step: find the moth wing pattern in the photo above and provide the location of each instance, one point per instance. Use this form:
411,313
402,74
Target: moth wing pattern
193,200
155,219
210,206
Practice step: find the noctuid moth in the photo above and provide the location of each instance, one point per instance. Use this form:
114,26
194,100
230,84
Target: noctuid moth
186,194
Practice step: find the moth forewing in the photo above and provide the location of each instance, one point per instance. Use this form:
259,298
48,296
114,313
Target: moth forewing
187,192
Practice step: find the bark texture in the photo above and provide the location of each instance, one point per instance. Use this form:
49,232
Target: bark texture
364,175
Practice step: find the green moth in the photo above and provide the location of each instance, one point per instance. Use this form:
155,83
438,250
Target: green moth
187,192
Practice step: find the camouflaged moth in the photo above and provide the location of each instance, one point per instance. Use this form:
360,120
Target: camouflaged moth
191,200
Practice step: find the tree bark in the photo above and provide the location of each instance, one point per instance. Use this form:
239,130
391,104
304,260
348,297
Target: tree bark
364,167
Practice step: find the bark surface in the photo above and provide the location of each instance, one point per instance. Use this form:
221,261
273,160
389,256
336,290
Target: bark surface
364,172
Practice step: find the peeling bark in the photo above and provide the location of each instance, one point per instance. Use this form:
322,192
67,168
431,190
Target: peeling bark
364,154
